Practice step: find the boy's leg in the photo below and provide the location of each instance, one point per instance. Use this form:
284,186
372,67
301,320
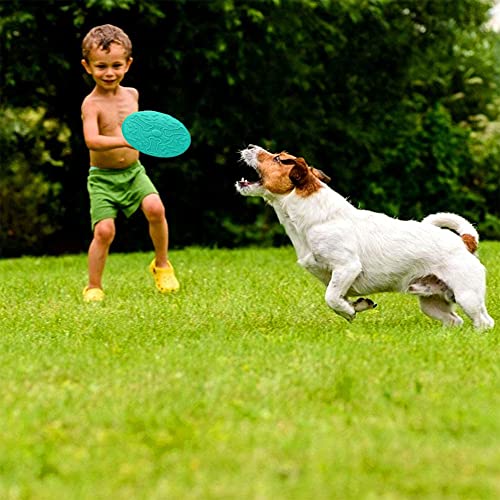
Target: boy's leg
154,211
161,268
104,233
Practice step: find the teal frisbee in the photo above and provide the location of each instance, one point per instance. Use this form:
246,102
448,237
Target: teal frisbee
156,134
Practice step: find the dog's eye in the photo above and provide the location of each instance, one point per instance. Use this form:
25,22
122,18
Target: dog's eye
286,161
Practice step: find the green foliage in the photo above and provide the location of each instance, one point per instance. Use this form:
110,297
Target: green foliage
486,175
29,205
243,385
427,171
391,99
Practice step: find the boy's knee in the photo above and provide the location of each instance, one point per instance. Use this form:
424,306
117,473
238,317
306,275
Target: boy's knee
153,208
104,231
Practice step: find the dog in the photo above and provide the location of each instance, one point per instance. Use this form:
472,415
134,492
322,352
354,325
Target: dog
359,252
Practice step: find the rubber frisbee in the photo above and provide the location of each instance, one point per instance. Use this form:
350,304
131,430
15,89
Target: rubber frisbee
156,134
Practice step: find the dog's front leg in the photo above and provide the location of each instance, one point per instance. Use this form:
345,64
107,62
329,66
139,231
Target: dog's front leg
340,282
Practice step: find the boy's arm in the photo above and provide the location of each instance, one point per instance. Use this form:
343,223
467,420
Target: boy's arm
93,139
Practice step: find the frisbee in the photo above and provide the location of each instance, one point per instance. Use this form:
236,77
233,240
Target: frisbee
156,134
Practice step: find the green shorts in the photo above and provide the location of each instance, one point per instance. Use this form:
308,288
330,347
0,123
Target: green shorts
112,190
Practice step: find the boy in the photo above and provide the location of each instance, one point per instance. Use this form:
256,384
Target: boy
117,180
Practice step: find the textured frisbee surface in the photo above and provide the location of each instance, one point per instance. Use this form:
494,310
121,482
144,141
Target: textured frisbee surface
156,134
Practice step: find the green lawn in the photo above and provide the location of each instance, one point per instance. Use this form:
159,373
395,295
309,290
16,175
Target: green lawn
244,385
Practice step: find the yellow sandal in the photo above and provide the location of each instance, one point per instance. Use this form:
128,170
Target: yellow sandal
164,277
92,294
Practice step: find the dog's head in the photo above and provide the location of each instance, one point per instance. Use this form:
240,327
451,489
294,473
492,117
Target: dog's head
279,174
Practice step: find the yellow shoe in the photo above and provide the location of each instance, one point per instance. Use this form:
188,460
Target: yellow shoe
92,294
165,279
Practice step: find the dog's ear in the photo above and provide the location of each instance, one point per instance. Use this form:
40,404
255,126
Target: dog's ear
298,174
321,175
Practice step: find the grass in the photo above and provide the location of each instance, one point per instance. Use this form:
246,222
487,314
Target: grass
243,385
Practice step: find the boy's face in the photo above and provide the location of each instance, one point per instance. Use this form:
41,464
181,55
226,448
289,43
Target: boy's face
107,67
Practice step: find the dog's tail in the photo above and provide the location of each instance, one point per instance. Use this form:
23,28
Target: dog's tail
458,224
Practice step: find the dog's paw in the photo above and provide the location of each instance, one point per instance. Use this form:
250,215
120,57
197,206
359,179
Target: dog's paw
346,316
363,304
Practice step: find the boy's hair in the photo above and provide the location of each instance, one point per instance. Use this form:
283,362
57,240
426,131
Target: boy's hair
102,37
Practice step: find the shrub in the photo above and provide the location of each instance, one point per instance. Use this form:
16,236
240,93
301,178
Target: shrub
29,207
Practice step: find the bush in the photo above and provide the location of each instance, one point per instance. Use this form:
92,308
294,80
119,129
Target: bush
29,208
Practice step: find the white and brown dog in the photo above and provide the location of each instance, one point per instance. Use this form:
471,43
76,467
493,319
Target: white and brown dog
357,252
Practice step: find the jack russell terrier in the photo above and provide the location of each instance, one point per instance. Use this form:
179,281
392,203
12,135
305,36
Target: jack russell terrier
358,252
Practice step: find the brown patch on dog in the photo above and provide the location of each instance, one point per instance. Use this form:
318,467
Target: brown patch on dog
470,242
304,179
299,172
274,171
281,173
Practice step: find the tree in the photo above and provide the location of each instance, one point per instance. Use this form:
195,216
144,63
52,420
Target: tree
389,98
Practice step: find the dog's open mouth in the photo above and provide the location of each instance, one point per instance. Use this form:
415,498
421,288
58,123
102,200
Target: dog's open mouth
248,157
243,183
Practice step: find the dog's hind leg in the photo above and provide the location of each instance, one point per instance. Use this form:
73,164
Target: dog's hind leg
469,287
438,308
473,305
340,282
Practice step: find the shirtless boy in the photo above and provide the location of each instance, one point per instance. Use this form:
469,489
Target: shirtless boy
117,180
